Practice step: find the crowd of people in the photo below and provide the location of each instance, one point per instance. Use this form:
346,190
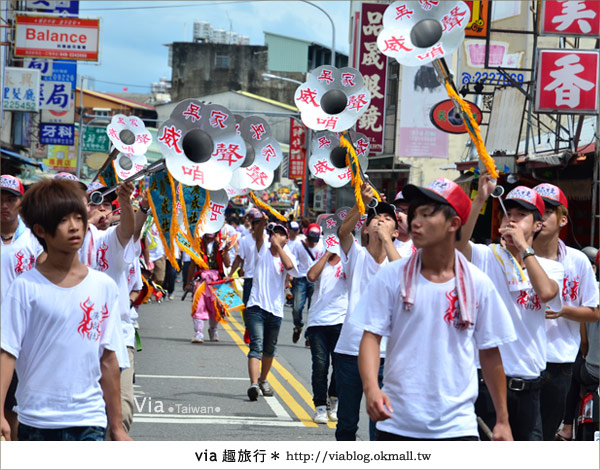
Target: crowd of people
445,339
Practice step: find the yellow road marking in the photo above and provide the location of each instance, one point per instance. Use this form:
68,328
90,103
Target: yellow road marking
306,396
296,408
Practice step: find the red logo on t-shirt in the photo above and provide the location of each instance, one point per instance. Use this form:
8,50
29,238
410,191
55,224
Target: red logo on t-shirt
453,307
280,267
339,273
570,288
23,265
101,257
90,326
529,300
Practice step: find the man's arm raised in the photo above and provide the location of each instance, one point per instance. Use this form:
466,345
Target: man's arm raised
345,230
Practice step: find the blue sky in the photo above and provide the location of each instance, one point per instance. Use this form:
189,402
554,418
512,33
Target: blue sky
133,33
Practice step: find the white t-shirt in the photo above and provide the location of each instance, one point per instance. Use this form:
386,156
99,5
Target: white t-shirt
405,249
330,299
305,262
430,373
134,282
58,336
269,280
247,251
579,289
18,256
526,357
360,267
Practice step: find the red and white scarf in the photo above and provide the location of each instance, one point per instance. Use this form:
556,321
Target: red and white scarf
464,286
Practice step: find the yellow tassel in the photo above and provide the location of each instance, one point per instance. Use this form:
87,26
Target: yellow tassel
484,156
199,261
201,222
266,207
356,181
197,296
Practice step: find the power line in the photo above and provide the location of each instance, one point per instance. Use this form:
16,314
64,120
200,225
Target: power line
148,7
122,84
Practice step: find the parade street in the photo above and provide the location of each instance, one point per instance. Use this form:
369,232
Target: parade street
186,391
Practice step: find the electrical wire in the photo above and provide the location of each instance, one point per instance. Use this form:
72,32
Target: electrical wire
145,6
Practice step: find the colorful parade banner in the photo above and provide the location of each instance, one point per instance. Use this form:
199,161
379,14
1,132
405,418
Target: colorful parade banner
186,246
161,196
108,177
194,202
226,296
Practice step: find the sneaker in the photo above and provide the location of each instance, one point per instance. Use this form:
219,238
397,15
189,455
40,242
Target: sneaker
320,416
332,409
197,340
171,297
265,388
214,337
253,392
296,335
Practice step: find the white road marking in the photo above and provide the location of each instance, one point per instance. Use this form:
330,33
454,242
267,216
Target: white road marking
208,419
278,409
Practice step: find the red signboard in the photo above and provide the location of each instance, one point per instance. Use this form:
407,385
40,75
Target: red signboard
567,81
297,164
57,37
570,18
444,116
372,64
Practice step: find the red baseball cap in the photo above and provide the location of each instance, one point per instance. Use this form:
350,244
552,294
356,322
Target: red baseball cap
551,195
527,198
442,190
313,232
12,184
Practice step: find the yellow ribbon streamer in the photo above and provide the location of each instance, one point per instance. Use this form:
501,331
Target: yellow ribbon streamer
266,207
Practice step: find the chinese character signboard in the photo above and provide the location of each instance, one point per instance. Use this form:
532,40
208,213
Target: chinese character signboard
372,64
21,89
567,81
57,134
297,157
477,27
570,18
61,158
55,6
95,139
57,37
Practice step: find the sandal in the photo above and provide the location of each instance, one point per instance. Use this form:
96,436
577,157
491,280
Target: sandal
560,437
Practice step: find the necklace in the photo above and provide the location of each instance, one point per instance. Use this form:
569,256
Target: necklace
7,239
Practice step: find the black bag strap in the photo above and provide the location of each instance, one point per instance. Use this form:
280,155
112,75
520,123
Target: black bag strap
312,257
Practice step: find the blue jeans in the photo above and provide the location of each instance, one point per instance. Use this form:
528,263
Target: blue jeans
263,328
302,291
322,343
246,290
350,392
76,433
556,381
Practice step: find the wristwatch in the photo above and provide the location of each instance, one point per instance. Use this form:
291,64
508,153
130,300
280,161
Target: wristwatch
527,252
144,209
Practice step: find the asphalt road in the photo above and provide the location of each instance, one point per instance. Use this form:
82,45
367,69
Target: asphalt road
186,391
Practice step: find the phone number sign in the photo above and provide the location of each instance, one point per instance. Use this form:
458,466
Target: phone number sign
57,37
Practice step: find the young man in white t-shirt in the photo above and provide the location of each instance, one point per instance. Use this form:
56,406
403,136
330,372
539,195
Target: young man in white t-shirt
438,312
528,285
306,251
264,311
20,251
360,263
580,304
59,323
325,319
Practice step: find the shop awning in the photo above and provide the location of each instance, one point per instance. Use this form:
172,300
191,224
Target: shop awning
24,160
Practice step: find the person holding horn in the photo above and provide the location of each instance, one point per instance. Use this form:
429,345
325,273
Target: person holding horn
360,263
437,312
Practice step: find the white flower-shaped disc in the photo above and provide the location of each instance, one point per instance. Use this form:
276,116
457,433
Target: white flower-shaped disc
128,134
341,214
418,32
321,164
215,219
330,225
332,99
127,164
263,155
235,192
200,145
